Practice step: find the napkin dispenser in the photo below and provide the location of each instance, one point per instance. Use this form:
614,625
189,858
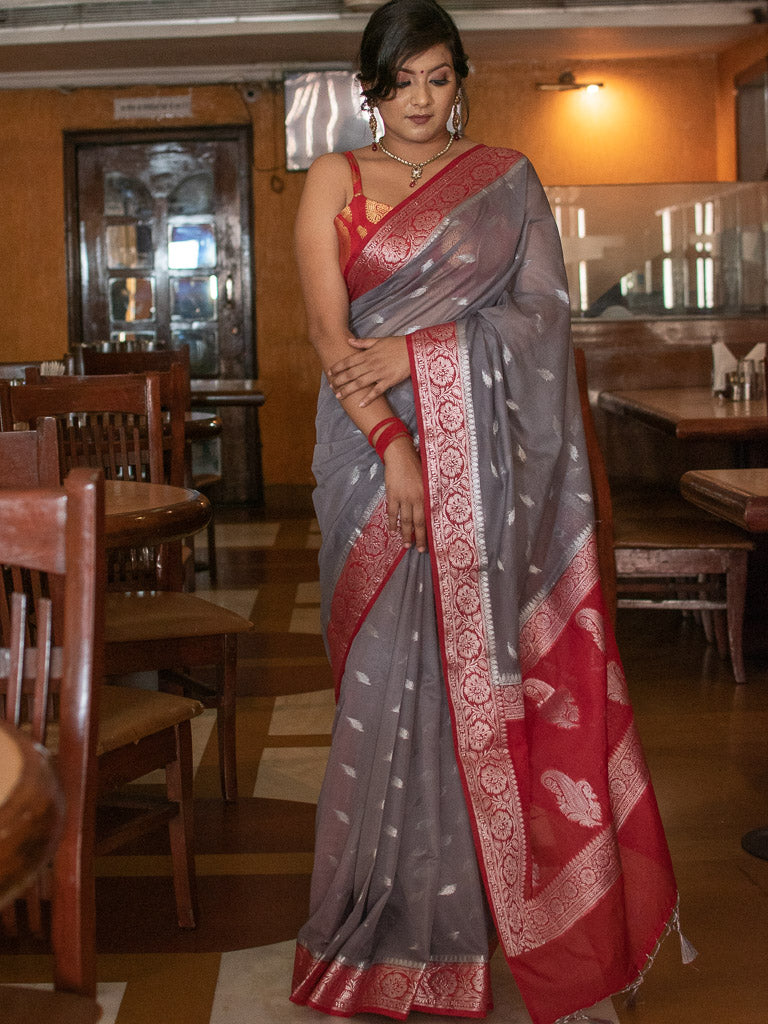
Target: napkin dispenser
724,362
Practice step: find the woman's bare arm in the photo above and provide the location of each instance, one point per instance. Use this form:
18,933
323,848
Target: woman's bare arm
327,308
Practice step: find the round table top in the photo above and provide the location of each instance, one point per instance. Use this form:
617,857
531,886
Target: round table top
31,811
138,514
200,425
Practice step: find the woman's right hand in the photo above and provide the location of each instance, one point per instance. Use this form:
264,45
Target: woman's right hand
405,492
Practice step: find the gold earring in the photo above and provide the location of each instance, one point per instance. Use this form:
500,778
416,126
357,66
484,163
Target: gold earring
373,125
456,120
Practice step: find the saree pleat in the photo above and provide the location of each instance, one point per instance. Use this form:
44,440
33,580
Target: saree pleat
485,773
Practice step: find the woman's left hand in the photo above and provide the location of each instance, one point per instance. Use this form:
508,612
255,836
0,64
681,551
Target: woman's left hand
378,365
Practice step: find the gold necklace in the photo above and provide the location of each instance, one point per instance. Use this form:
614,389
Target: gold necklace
416,169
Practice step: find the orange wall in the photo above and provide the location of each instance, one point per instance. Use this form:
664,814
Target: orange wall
651,122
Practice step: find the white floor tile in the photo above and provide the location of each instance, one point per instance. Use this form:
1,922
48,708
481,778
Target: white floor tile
305,620
301,714
308,593
291,773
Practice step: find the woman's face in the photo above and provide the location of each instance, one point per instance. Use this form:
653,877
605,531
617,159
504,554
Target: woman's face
421,104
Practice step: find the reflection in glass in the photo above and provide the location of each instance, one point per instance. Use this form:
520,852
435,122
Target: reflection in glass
131,298
664,249
203,345
129,245
323,113
206,457
126,197
194,298
192,196
191,246
132,340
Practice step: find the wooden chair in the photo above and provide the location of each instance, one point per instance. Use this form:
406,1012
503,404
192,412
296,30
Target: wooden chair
154,628
658,552
96,362
100,737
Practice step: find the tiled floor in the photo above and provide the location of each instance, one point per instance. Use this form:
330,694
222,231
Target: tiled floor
707,745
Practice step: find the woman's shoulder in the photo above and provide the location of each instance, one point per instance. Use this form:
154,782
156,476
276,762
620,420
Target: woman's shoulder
328,180
329,165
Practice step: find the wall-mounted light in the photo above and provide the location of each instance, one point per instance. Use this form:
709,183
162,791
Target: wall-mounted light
566,83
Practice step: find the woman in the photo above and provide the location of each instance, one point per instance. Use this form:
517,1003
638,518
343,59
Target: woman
485,777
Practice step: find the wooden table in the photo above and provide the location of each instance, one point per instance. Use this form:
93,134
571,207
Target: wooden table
31,811
741,497
240,400
201,426
690,413
738,495
224,391
139,514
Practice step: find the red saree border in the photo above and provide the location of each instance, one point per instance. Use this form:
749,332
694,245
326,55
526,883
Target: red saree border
372,559
582,901
449,989
402,232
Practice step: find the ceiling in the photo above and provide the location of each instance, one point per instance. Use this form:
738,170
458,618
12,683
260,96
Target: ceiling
52,43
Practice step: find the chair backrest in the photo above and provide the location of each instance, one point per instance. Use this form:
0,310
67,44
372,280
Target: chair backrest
601,491
114,423
30,458
58,534
156,360
174,391
111,422
172,367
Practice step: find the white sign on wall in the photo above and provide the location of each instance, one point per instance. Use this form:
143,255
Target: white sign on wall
157,108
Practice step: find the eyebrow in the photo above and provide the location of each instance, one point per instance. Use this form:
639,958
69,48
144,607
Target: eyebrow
410,71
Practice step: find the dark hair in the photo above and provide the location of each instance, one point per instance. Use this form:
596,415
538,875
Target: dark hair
401,29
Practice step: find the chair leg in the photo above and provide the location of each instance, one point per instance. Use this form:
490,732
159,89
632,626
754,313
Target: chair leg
213,569
73,912
735,596
722,640
180,828
226,720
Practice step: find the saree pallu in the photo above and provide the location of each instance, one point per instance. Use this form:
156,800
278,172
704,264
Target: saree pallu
485,777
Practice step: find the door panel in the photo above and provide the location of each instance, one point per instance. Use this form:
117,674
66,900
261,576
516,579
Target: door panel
160,255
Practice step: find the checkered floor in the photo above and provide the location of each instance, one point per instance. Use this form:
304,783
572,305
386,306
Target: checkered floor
254,859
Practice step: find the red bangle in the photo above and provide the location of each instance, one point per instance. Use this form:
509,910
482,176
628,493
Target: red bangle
388,435
379,425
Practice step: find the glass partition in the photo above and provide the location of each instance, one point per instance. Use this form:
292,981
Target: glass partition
664,249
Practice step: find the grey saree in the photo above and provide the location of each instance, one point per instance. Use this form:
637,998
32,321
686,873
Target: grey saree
486,783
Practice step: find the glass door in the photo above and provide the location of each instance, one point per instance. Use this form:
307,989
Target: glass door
161,246
159,239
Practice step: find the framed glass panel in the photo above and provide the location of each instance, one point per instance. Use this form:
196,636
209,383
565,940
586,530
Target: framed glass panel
131,298
191,246
126,197
129,245
203,345
194,298
192,196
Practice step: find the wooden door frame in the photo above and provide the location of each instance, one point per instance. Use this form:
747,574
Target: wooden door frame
241,134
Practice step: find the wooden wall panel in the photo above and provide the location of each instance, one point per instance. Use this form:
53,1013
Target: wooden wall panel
653,122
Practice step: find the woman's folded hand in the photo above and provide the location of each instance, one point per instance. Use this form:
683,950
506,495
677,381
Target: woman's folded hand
377,366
